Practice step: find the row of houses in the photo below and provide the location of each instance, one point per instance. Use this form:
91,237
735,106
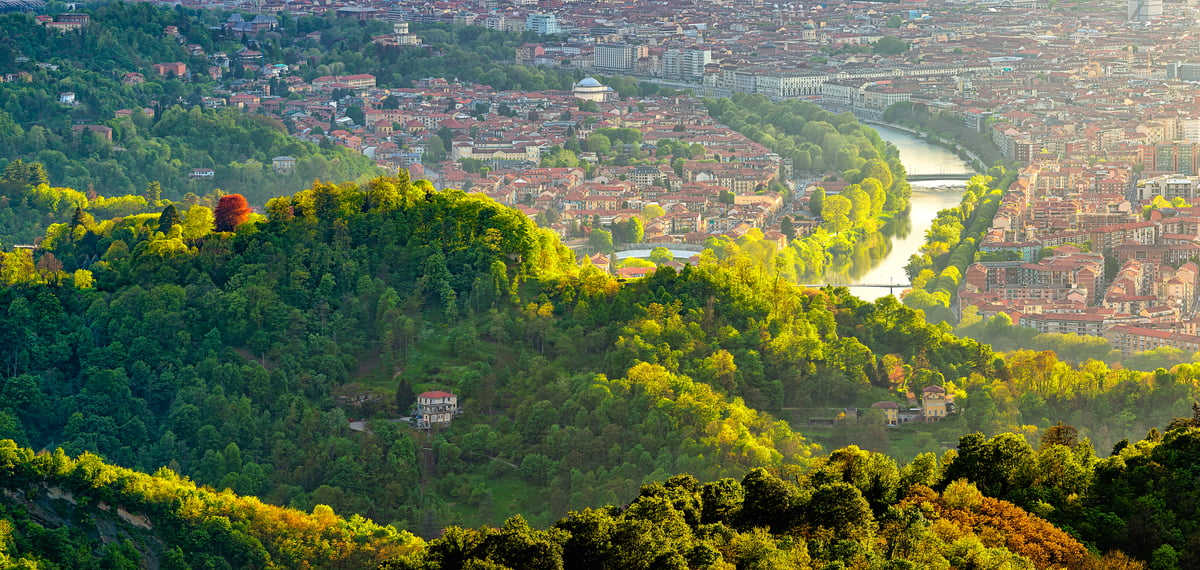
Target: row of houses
935,405
1136,283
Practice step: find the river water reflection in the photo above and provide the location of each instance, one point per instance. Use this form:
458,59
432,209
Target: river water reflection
880,259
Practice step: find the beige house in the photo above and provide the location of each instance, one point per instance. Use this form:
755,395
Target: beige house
891,411
601,262
934,403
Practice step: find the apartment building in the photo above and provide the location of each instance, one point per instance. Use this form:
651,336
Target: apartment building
686,64
1130,339
617,58
1073,323
1169,187
544,24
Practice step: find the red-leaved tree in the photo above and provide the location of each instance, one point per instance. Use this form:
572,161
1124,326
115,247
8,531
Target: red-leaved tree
231,211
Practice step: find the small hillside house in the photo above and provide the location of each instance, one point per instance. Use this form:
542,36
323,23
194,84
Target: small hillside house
891,411
283,164
435,408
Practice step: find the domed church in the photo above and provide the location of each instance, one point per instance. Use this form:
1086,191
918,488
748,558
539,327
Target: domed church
589,89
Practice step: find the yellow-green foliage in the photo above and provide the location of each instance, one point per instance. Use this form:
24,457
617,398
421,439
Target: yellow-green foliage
58,200
6,545
119,205
234,527
636,262
737,434
16,267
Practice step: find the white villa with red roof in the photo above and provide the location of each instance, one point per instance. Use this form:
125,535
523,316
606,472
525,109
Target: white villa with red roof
435,408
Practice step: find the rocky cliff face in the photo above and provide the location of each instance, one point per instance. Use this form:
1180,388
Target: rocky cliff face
53,507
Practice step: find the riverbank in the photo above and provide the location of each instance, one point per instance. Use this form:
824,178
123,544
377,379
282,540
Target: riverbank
939,269
928,198
949,129
978,164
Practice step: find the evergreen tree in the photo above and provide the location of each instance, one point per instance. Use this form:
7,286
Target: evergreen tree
816,202
153,192
169,217
787,228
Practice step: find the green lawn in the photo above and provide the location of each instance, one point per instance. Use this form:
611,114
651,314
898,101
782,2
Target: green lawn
509,494
903,442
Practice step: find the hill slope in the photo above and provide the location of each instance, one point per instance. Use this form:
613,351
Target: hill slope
237,359
61,510
198,346
852,508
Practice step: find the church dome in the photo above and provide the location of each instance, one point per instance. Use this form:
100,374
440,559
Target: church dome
589,89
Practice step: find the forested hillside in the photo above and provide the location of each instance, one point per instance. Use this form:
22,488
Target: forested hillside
78,512
993,503
165,147
237,358
277,356
201,350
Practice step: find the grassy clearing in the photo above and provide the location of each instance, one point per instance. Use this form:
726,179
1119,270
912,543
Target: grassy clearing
508,494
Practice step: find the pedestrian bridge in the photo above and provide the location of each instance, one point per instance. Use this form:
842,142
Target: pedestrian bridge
926,177
878,285
696,247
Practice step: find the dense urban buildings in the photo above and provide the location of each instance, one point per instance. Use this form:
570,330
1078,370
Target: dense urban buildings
1094,103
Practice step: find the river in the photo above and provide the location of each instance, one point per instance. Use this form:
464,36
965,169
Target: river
906,236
